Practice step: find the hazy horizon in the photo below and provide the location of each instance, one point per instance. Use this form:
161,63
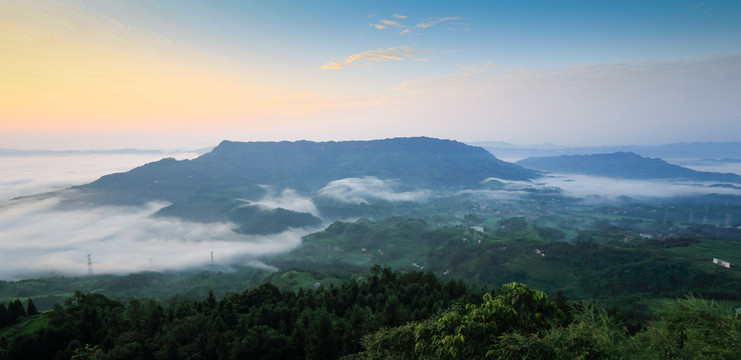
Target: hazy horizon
201,146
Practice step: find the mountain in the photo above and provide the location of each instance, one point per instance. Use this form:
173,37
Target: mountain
624,165
233,175
674,151
239,167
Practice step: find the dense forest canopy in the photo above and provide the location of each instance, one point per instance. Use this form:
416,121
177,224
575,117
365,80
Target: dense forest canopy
386,315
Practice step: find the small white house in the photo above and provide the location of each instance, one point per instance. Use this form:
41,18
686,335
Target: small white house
723,263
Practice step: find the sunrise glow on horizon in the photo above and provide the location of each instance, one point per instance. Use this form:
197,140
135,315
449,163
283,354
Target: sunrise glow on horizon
106,74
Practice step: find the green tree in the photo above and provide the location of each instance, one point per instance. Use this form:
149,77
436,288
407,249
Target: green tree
472,332
389,343
16,311
4,316
592,335
31,308
693,328
87,353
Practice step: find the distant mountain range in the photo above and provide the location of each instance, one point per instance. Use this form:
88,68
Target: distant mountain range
226,183
692,150
624,165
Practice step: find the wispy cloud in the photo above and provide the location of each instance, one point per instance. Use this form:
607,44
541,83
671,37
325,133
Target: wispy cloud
385,23
288,199
393,23
374,56
437,21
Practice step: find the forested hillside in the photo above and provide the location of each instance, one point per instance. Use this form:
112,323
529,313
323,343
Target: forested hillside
608,263
387,315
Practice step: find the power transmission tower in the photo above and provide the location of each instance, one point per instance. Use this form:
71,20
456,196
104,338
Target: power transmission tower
89,265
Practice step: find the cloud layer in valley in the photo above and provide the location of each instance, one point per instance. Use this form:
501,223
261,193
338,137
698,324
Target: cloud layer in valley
288,199
599,188
38,237
28,175
588,186
362,190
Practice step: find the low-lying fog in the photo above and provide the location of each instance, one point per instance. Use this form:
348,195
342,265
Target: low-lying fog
26,175
362,190
584,186
731,166
39,237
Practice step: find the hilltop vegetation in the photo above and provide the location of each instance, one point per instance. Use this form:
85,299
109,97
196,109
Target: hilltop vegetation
387,315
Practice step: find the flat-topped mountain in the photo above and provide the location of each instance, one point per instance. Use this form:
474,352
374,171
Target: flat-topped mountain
234,174
308,166
623,165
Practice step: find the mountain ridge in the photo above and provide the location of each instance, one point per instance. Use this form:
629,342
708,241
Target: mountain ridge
625,165
681,150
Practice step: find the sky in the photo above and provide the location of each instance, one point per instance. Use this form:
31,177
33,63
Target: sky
182,74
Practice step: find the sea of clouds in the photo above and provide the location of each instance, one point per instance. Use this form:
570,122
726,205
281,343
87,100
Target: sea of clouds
40,236
27,175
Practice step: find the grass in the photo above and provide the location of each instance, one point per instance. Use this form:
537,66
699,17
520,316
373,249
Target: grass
298,279
27,325
703,252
